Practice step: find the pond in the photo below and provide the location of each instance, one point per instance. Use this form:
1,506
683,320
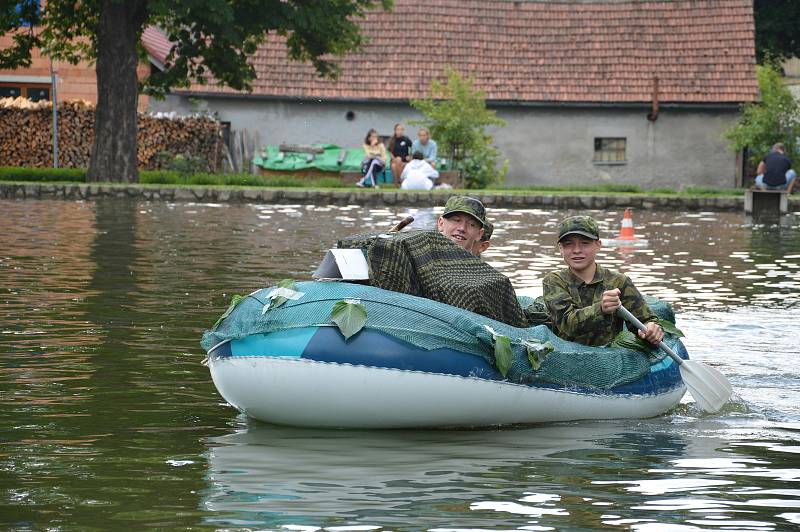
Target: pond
108,420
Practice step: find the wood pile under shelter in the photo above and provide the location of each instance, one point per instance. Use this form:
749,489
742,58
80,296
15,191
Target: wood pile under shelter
26,135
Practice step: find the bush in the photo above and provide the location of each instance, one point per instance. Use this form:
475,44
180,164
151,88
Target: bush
776,118
159,177
18,173
184,164
457,117
169,177
604,188
711,191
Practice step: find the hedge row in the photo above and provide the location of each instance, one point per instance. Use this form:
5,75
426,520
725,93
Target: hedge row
167,177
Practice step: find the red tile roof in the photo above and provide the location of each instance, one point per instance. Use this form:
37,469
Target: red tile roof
156,44
536,51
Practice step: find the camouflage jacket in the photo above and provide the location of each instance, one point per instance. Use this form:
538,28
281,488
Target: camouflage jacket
574,306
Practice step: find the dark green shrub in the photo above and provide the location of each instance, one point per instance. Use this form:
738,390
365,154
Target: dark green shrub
159,177
18,173
184,164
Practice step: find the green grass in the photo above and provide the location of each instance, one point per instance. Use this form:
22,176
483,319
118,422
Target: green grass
52,175
604,188
167,177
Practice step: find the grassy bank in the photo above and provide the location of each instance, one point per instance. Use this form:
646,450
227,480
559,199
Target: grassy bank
167,177
171,178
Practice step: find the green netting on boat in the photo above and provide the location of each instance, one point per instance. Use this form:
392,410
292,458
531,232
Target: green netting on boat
429,265
432,325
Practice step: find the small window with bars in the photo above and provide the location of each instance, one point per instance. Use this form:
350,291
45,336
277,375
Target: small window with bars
609,149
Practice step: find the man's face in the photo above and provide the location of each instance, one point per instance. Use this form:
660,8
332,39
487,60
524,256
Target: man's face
423,137
578,251
462,229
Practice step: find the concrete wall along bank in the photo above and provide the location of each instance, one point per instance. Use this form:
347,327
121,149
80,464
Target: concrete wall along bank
381,198
544,145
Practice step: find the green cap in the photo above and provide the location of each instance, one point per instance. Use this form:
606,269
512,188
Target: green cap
579,225
466,205
488,229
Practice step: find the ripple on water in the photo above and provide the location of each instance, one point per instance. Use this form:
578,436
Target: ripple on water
109,421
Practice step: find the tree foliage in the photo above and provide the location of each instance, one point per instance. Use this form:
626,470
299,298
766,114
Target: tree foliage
776,118
211,38
777,29
455,113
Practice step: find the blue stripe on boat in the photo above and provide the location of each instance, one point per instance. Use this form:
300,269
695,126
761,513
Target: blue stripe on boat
377,349
289,343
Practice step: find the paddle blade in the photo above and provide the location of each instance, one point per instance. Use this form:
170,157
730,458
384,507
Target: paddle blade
708,386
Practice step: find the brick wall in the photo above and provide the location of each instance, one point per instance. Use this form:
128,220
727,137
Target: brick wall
75,82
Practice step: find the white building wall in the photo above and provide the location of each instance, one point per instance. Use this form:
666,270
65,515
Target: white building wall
544,145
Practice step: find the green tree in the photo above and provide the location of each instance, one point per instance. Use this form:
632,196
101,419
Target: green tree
776,118
455,113
777,29
211,38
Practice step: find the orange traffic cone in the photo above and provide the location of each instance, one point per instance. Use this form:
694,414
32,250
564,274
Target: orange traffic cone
626,231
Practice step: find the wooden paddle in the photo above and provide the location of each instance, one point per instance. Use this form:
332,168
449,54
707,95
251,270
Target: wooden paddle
402,223
708,386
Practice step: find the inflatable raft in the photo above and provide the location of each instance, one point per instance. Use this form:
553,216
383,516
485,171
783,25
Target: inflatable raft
420,363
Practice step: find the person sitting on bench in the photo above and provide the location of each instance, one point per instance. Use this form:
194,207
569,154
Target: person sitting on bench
775,171
426,145
374,159
400,150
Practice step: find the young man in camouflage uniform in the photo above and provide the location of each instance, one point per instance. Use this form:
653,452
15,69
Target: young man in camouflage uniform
582,300
463,221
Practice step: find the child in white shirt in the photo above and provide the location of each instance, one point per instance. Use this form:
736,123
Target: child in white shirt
418,174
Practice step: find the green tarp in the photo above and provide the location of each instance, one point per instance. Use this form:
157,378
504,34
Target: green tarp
327,161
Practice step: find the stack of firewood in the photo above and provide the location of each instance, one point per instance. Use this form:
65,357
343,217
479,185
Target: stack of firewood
26,136
197,136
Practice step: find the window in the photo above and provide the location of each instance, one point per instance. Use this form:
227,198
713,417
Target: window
34,91
10,92
609,150
38,93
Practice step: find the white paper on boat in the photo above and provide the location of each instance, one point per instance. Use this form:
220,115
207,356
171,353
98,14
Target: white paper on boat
343,265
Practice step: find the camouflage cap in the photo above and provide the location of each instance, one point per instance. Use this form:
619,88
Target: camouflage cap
488,229
466,205
579,225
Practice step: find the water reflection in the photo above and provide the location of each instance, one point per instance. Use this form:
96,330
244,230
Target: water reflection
562,477
109,421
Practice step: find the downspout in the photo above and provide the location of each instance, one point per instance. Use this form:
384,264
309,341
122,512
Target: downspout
653,116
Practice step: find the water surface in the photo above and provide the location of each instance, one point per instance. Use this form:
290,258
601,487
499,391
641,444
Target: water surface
108,420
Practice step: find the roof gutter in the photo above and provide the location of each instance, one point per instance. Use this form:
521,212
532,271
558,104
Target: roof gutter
491,103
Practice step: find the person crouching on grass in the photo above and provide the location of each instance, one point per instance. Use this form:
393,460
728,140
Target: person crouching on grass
582,299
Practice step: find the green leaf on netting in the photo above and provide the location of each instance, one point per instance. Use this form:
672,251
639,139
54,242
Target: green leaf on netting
503,355
537,352
280,300
670,328
627,340
350,316
234,301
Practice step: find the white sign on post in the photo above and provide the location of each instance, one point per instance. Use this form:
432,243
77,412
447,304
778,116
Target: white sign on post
343,265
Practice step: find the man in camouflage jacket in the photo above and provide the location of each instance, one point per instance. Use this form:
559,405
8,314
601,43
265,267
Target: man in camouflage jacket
582,300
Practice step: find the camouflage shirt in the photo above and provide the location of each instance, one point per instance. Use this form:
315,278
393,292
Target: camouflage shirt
574,305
